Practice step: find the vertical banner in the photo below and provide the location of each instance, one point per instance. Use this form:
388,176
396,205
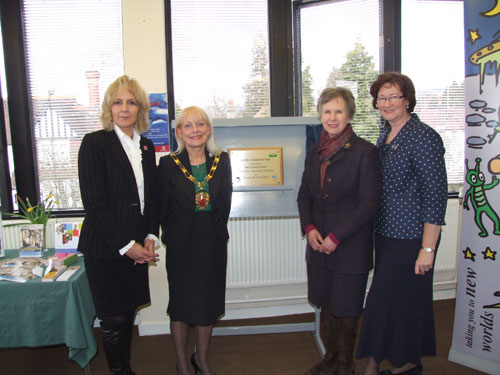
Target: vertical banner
476,333
159,131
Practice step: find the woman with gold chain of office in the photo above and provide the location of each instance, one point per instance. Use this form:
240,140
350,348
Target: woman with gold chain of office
194,193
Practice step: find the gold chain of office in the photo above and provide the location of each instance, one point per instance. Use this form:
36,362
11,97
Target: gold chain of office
202,197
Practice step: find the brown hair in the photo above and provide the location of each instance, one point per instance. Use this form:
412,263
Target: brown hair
394,79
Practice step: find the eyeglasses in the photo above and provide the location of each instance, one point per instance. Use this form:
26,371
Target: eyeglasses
391,99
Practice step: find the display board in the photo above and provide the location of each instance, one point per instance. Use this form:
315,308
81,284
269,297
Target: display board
286,133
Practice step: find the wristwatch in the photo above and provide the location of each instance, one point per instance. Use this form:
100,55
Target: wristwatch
428,249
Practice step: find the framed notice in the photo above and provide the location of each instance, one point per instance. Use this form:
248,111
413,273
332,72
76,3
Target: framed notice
257,166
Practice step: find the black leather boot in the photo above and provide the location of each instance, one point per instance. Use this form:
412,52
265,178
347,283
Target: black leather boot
116,335
129,326
329,336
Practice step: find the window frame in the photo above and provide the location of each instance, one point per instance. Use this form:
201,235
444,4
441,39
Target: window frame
5,188
22,136
390,49
388,33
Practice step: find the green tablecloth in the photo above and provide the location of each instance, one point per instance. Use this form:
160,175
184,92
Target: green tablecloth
38,313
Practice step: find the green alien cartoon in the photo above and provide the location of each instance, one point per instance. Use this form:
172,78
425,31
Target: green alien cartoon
477,195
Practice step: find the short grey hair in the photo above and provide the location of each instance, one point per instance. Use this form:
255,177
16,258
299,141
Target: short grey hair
337,92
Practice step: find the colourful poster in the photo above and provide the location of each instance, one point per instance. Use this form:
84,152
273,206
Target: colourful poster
476,333
66,236
159,131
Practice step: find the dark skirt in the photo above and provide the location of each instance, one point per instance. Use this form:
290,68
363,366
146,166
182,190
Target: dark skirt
197,275
399,320
343,294
117,286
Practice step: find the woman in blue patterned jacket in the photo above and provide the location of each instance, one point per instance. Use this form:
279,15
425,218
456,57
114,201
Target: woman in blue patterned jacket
399,322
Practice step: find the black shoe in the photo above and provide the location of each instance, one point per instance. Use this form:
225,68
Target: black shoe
417,370
195,365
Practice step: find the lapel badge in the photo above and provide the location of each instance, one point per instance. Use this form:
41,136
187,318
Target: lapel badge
347,145
145,147
394,147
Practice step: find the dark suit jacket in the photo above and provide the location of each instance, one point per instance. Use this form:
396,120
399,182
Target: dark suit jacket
176,198
109,192
346,206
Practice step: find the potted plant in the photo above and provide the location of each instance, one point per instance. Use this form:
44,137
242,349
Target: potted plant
33,235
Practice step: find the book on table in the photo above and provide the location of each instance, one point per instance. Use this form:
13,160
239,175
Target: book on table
20,269
54,274
65,259
68,273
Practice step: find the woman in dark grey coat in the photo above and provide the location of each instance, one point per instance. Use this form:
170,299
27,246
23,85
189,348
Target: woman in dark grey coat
338,200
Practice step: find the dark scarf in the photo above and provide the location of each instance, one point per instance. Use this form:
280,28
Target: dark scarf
329,146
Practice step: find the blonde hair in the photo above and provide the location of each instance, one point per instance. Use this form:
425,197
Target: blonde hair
141,98
196,112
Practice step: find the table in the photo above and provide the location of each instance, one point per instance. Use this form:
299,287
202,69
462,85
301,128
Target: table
37,313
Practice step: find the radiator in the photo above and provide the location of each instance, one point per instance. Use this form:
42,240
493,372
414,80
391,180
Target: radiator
265,252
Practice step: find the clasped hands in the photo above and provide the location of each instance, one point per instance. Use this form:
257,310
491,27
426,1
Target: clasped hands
318,243
143,254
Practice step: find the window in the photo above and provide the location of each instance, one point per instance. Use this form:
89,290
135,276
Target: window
69,65
433,57
339,46
220,57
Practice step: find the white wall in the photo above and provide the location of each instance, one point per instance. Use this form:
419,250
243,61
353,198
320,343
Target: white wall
144,43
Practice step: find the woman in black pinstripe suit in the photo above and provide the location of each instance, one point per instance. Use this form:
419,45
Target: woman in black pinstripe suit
116,168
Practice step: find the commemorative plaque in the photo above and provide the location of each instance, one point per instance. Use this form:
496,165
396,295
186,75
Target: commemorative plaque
257,166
